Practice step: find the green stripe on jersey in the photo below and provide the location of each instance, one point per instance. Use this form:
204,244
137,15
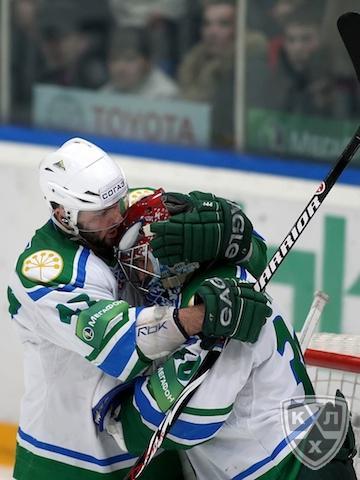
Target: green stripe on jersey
29,466
141,364
202,412
48,259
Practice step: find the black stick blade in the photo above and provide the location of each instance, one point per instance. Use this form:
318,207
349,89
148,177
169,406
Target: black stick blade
349,28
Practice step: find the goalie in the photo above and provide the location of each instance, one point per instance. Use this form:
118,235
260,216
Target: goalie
231,428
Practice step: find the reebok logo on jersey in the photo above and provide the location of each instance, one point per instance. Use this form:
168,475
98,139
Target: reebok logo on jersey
148,329
43,266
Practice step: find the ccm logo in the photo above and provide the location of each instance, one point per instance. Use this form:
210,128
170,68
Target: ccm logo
113,190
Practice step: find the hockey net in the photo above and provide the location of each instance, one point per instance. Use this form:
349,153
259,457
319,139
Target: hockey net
333,361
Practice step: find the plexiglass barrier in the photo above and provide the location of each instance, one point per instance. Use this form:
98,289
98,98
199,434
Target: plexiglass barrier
170,71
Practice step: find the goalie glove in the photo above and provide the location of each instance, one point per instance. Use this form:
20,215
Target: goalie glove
232,309
202,228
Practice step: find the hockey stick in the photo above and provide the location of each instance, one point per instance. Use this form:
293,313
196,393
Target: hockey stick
346,26
171,416
312,319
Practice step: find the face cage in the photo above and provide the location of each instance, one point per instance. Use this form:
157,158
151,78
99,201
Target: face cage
139,276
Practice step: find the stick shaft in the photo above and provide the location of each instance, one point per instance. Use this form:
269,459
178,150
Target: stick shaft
309,211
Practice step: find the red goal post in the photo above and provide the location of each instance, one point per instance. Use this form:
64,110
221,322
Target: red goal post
333,361
337,361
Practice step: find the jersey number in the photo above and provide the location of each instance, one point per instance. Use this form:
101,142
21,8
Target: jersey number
66,313
284,337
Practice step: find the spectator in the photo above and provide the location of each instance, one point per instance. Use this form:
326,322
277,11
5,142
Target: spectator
165,21
131,69
207,72
302,82
213,56
69,43
208,68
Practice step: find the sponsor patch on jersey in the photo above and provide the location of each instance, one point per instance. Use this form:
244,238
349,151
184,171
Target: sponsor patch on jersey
43,266
100,321
88,334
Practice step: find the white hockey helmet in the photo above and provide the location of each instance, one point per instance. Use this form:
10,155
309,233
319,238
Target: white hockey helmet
81,177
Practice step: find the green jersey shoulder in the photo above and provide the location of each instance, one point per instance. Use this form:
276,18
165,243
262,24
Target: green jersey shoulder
49,258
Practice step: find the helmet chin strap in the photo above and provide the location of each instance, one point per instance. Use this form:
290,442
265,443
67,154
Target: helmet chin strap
66,225
68,221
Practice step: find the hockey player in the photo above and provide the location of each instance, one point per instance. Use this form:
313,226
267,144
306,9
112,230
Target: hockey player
231,428
78,336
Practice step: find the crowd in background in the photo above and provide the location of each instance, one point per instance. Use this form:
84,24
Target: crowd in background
185,50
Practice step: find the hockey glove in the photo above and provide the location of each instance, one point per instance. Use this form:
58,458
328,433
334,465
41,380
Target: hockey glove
158,331
202,227
232,309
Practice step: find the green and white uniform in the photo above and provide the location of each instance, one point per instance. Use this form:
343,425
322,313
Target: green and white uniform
77,339
233,422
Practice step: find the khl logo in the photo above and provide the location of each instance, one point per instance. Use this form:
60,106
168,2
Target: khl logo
315,427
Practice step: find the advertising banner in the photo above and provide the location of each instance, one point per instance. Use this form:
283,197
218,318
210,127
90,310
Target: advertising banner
295,135
122,116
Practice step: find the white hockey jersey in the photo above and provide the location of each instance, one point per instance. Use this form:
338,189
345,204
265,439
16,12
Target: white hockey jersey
232,425
77,337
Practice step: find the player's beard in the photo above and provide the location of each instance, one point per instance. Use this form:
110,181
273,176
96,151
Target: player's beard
102,247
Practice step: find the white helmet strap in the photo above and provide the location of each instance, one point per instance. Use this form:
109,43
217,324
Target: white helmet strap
69,221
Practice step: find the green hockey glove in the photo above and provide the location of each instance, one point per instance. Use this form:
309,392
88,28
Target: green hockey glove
232,309
202,227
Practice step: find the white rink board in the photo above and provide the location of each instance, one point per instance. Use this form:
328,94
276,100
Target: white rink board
273,204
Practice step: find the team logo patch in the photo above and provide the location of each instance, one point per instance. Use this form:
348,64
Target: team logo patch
138,194
43,266
315,427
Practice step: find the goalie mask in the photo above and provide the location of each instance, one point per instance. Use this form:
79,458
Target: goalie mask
134,255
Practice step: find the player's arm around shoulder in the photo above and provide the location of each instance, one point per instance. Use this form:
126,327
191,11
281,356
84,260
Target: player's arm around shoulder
70,299
203,227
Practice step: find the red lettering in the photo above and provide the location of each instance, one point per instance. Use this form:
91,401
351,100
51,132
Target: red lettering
114,122
143,125
99,118
170,133
152,127
186,132
135,120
